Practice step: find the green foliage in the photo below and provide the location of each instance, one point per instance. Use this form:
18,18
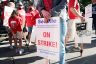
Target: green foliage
83,4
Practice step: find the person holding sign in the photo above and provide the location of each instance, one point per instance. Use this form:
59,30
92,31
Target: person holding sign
75,17
54,8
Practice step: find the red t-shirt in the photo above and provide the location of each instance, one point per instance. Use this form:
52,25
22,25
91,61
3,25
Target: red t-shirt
31,17
21,13
75,4
14,24
47,4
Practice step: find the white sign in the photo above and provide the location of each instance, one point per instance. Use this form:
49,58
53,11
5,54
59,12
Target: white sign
48,38
33,35
88,11
85,35
7,14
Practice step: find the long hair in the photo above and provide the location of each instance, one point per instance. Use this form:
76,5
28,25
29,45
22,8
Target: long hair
14,13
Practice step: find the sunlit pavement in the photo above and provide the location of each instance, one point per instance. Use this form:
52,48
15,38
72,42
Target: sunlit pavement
89,54
8,56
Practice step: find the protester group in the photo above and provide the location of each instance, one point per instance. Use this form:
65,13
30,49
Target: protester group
24,16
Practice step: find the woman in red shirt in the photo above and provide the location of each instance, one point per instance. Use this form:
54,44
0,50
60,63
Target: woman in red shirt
31,16
15,26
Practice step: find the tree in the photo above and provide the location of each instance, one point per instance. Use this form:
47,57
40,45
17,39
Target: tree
83,4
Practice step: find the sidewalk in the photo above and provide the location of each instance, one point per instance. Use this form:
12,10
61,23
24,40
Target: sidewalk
8,56
89,54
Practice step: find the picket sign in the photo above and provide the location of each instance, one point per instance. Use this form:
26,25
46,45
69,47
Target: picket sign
48,38
7,14
87,34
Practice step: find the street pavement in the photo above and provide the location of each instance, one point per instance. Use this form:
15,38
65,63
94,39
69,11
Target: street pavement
89,54
8,56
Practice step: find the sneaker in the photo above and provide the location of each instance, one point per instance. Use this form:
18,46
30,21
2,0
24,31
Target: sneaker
11,47
76,49
67,50
21,51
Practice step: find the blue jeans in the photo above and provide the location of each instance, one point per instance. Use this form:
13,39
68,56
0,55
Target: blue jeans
63,31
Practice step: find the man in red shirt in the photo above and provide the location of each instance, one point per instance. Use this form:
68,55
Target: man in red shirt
31,16
75,17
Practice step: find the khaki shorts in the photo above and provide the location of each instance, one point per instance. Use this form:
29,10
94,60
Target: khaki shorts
71,31
18,35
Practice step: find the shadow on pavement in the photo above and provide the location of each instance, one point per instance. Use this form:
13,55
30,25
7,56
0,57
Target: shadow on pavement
27,60
85,45
83,60
7,52
90,45
21,61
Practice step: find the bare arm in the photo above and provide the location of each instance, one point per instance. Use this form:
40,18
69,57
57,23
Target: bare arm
74,11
